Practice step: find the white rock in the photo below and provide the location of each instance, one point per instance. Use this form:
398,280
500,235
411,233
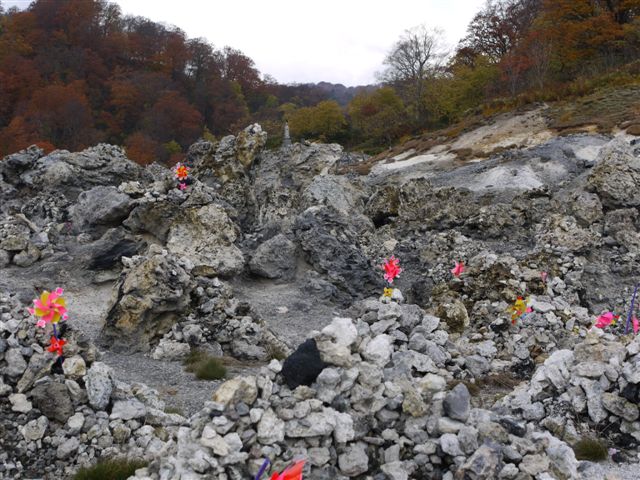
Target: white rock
19,403
379,350
34,430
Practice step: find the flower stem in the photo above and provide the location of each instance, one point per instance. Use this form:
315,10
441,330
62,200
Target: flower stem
55,331
630,315
264,466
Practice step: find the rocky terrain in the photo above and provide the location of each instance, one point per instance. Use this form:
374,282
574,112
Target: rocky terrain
270,260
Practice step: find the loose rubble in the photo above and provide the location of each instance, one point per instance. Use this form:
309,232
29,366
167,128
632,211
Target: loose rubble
435,381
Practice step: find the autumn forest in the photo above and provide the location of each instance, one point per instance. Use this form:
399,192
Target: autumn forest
77,72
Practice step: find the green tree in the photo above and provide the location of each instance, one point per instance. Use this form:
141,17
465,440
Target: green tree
377,117
325,122
415,60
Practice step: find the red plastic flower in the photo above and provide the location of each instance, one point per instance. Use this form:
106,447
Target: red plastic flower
181,171
392,269
56,345
458,269
50,307
294,472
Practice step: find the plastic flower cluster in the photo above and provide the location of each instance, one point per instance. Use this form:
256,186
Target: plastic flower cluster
458,269
519,308
391,269
182,173
292,472
51,308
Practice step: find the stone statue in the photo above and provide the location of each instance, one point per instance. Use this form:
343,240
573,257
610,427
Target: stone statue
286,139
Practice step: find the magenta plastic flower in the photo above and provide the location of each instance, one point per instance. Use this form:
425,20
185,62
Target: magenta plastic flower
458,269
636,325
606,319
392,269
49,308
182,186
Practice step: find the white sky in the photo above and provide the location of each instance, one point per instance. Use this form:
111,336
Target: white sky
339,41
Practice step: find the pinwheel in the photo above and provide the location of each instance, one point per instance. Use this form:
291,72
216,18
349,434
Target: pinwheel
630,315
458,269
293,472
181,171
49,308
391,269
519,308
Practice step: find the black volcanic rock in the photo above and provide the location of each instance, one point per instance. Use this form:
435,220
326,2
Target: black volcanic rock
303,366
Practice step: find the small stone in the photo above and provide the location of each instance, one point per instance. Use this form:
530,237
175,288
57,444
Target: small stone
457,403
239,389
354,461
67,448
74,367
75,423
534,464
34,430
99,383
270,428
450,444
19,403
16,364
128,409
379,350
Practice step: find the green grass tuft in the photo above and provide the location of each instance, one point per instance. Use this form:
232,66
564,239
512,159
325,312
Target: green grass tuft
110,469
204,366
177,410
211,369
591,449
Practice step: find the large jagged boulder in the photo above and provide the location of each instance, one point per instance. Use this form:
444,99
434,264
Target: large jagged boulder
72,173
275,258
331,242
281,175
101,206
616,176
149,297
205,236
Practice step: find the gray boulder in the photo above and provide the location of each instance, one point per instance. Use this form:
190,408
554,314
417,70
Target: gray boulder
275,258
150,296
101,206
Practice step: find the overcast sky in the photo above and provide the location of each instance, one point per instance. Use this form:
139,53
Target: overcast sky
340,41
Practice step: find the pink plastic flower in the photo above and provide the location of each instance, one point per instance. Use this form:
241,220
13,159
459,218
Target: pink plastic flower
50,307
392,269
636,325
182,186
606,319
458,269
